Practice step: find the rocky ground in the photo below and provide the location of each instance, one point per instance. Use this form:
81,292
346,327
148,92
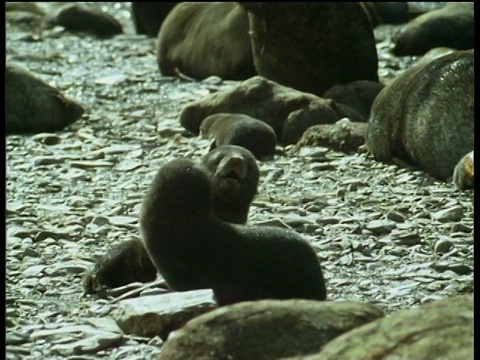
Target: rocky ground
388,235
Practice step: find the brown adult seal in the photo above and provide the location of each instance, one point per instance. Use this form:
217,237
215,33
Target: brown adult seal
33,106
203,39
452,26
311,46
463,174
192,248
242,130
234,174
358,95
148,16
84,18
426,115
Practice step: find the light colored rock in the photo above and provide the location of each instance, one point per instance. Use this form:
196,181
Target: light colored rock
160,314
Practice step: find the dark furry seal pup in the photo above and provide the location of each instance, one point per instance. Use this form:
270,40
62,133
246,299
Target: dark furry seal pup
463,174
452,26
242,130
33,106
234,175
311,46
85,18
147,17
358,95
426,115
200,39
192,248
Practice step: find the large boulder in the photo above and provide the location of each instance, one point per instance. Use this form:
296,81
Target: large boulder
439,330
266,329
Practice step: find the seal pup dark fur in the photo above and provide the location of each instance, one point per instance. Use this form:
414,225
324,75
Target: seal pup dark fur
242,130
234,174
192,248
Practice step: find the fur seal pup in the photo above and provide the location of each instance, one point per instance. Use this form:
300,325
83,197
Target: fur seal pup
147,17
192,248
311,46
425,116
243,130
200,39
33,106
463,176
358,95
451,26
234,174
84,18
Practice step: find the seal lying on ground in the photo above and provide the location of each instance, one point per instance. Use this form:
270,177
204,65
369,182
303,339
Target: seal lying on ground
148,16
452,26
85,18
242,130
426,115
234,175
203,39
358,95
288,111
33,106
311,46
463,174
192,248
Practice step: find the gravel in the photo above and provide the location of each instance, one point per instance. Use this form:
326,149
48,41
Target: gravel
388,235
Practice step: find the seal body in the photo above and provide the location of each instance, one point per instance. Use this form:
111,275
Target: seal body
204,39
451,26
33,106
148,16
311,46
234,176
463,174
242,130
239,262
426,115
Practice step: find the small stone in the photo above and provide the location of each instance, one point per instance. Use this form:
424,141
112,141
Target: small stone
442,246
381,226
455,213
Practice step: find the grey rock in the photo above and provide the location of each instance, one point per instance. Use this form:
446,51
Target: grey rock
441,329
266,329
454,213
160,314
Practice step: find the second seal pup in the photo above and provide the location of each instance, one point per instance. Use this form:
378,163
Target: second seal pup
242,130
